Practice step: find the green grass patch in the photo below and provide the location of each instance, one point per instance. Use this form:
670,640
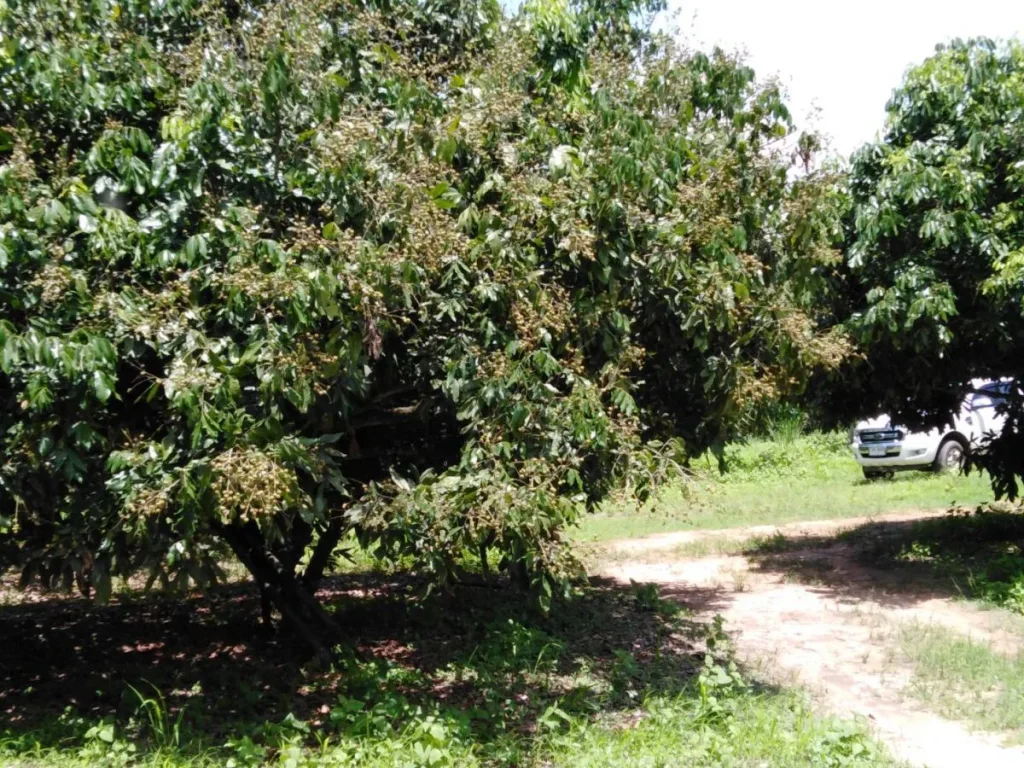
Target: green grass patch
778,730
977,552
474,677
720,727
964,680
812,477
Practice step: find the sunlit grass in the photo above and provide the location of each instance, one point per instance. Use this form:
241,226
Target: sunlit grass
812,478
963,679
777,731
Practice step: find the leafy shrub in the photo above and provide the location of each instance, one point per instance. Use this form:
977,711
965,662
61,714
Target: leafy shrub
842,745
801,456
978,549
1001,582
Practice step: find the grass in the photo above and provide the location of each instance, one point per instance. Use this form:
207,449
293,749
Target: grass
474,677
738,728
617,676
812,477
741,729
779,730
965,680
977,553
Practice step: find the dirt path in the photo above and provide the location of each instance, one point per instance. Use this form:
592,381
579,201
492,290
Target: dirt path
806,528
829,636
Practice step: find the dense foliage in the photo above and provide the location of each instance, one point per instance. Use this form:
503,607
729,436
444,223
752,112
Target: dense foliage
938,248
274,273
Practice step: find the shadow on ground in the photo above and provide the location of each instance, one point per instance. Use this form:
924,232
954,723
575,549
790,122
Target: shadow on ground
900,563
481,655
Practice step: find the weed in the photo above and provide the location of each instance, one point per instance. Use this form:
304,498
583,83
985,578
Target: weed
719,681
624,670
977,550
163,731
844,744
1001,582
105,746
723,721
916,553
648,598
963,679
787,427
244,753
739,578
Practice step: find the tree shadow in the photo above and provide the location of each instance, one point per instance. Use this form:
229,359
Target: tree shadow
903,562
481,657
697,600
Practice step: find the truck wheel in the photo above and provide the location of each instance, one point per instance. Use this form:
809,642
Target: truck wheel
950,456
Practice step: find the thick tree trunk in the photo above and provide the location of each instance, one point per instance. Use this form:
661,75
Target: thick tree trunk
298,607
298,540
521,574
84,587
515,563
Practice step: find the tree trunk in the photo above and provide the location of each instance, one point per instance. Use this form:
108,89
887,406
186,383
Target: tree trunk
485,567
298,607
298,540
325,545
521,574
266,608
515,563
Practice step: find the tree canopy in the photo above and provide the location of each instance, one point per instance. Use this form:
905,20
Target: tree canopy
275,273
938,246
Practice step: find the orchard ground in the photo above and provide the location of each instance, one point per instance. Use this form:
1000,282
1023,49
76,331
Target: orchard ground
880,602
861,625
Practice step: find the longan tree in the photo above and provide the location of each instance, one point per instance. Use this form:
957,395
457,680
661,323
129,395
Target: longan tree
937,251
278,273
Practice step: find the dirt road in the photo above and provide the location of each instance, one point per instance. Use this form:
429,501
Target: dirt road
831,634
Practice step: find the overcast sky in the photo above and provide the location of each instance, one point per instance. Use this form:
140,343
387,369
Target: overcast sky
842,57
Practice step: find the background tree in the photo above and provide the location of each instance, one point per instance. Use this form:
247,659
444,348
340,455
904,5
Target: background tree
938,246
274,273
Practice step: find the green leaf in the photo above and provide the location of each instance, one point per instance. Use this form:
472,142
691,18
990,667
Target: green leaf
99,577
562,159
102,385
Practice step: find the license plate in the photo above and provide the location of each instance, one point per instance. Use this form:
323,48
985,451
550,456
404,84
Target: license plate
876,450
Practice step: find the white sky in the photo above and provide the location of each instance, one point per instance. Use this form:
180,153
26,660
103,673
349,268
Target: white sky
842,58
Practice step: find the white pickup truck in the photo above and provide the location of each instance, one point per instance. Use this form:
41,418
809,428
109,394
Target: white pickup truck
882,447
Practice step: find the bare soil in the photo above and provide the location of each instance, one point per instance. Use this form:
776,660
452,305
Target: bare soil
812,613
